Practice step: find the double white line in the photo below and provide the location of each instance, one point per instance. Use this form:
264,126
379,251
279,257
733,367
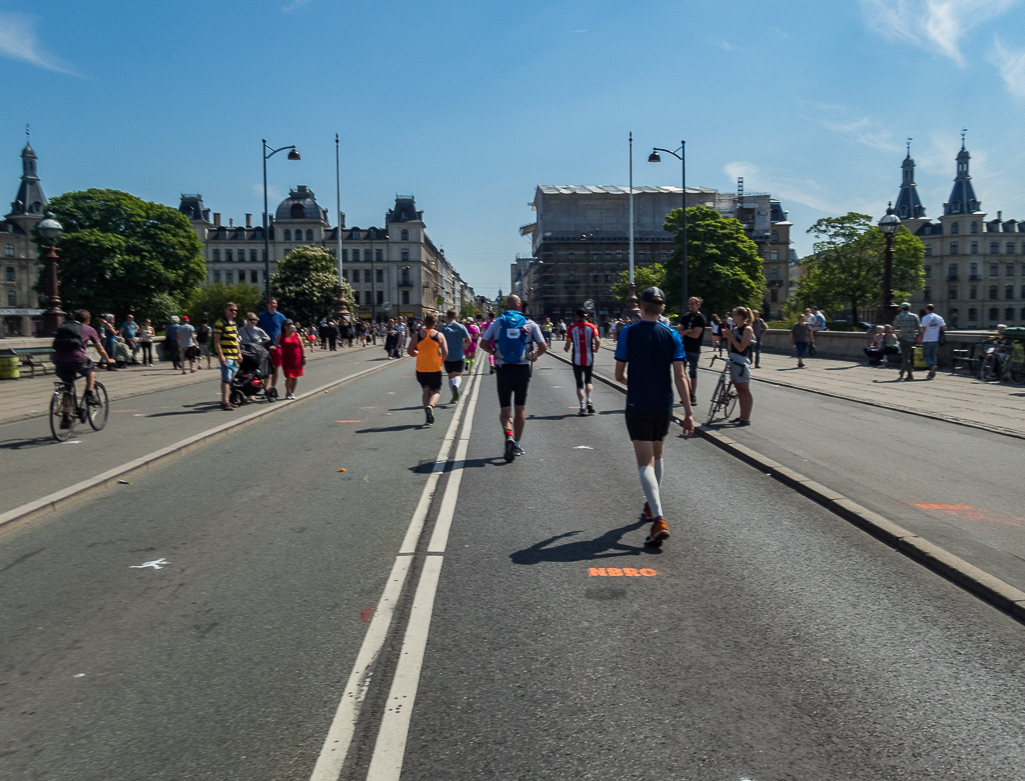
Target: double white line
386,762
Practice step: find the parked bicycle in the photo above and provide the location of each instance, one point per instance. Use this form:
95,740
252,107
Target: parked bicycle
724,398
67,410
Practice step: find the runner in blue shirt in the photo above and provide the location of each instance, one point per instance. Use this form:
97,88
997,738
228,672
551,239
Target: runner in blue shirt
271,322
656,357
458,339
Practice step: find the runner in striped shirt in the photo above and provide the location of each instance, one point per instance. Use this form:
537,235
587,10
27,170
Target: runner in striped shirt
582,338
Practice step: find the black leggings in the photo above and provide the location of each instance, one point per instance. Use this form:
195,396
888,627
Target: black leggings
147,351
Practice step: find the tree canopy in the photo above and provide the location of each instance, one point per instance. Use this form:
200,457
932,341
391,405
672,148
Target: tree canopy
121,254
723,264
846,271
306,283
207,301
644,277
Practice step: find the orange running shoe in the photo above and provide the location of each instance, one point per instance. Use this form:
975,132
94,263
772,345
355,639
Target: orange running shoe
647,514
659,532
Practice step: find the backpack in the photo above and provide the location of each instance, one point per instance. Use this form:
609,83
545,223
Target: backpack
68,338
513,335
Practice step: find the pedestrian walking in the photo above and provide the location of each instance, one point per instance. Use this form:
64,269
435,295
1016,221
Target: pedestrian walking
186,345
584,342
332,336
933,329
716,333
655,356
759,327
293,357
271,321
430,349
800,338
546,331
146,334
471,349
457,340
203,336
908,328
739,340
171,341
692,332
489,345
507,339
226,349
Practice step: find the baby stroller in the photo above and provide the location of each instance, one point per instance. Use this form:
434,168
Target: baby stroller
253,369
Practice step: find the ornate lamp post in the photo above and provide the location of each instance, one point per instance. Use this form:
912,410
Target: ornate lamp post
50,231
681,155
889,225
293,155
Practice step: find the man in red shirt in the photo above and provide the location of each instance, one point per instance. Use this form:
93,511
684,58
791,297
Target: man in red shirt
582,338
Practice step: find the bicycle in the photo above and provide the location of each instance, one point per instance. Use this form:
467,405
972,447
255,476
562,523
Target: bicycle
66,411
1003,361
724,398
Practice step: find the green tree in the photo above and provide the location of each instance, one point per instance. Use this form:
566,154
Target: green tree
306,283
469,309
124,255
723,264
207,301
644,277
846,271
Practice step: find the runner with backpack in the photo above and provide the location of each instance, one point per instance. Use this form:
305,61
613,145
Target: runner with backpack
508,337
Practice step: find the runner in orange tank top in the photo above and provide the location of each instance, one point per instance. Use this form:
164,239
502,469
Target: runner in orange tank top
430,350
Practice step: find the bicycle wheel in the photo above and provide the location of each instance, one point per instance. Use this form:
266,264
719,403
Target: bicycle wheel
99,413
60,406
988,370
717,399
730,394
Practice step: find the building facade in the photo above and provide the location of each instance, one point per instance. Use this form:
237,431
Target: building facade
19,303
395,271
974,266
580,242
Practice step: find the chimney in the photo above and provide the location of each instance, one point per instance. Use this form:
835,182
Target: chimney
231,222
249,220
217,219
1000,215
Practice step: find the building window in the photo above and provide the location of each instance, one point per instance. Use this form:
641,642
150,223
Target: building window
253,276
216,254
640,256
775,236
972,291
927,293
1023,313
405,255
994,247
975,227
288,234
217,276
405,235
252,256
975,248
378,255
773,254
952,271
994,314
664,255
973,315
380,275
608,276
993,293
1009,269
619,256
994,269
975,270
380,297
355,275
345,255
571,256
12,298
1009,313
229,277
774,295
926,269
228,255
263,254
952,293
8,250
955,228
774,274
10,274
1009,248
405,296
953,248
928,250
594,277
355,294
608,255
345,274
1009,292
594,256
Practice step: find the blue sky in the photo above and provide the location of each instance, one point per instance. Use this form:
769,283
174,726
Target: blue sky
469,105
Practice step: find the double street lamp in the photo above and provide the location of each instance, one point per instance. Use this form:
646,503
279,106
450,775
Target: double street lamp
293,155
50,231
681,155
889,225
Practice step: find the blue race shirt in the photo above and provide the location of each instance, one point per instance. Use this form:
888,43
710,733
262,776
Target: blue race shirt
454,334
649,349
271,323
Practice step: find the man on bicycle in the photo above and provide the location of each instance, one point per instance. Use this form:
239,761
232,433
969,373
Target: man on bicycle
69,357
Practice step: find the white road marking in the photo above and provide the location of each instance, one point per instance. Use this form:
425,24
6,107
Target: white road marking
339,737
155,564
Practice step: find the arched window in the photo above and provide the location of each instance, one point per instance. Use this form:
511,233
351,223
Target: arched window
309,235
288,235
405,235
298,211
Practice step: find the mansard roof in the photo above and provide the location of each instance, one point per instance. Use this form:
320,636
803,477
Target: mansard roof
30,200
405,210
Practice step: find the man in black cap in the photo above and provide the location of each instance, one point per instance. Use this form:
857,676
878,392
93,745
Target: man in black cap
656,357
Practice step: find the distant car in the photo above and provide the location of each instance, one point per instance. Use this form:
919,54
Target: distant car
865,326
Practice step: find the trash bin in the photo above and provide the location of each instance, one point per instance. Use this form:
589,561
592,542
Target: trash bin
919,361
10,367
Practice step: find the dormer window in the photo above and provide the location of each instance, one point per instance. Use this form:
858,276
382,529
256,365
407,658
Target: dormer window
298,211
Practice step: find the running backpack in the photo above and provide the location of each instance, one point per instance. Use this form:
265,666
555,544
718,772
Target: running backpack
68,337
513,335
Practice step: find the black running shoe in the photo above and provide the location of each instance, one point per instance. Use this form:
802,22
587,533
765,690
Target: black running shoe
590,408
430,416
510,450
582,413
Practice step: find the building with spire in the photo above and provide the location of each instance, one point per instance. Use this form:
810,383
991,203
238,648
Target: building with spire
974,266
19,303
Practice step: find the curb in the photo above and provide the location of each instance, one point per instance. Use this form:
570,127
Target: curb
996,592
59,499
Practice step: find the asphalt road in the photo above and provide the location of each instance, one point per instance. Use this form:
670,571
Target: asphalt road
773,641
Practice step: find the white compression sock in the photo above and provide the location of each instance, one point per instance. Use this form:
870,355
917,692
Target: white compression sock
658,472
651,492
456,381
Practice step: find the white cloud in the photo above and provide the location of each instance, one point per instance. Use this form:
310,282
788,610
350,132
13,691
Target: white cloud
1011,65
18,42
722,43
864,129
939,25
809,192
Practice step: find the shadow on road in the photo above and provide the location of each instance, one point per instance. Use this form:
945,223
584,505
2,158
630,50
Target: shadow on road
385,429
605,547
24,444
196,409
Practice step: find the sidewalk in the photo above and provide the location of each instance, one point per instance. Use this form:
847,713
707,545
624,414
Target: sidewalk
28,397
958,398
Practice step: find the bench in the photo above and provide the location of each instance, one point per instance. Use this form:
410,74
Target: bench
963,358
34,357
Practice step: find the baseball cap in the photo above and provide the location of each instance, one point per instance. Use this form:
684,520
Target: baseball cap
905,305
653,295
185,318
815,309
174,318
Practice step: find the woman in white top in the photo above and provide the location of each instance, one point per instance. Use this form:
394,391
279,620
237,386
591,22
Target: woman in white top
251,333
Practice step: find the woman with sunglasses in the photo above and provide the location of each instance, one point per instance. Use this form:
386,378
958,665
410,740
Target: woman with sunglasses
251,333
293,357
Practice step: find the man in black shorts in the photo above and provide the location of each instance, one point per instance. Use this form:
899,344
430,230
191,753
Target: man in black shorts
692,329
509,337
582,338
655,354
69,357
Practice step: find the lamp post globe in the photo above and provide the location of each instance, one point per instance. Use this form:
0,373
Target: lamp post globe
50,230
889,225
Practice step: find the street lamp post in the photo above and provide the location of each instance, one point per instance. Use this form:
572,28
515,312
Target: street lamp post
341,309
889,225
681,155
50,231
293,155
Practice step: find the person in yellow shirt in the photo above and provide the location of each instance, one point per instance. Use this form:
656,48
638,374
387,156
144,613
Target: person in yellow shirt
430,349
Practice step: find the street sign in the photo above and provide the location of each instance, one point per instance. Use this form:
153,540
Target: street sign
386,306
589,305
